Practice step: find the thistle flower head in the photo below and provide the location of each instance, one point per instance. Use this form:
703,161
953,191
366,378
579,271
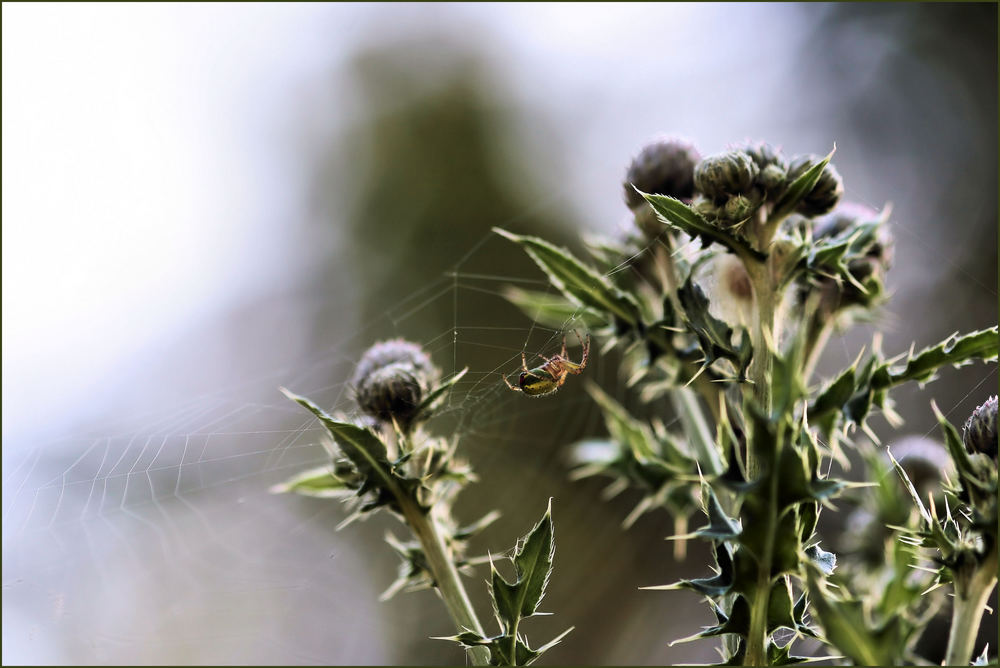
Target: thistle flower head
980,432
663,167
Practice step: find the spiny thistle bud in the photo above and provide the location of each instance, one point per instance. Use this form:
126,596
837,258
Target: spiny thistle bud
392,391
391,379
770,162
980,432
395,351
723,175
737,209
827,191
664,167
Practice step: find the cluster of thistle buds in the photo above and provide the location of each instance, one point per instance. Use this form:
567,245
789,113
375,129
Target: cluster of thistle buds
727,188
745,192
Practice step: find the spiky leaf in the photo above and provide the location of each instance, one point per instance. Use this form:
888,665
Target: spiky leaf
532,559
319,482
577,281
552,310
799,189
680,216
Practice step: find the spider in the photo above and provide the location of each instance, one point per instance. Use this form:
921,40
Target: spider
549,377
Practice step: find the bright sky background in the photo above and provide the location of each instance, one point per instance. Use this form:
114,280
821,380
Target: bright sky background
149,168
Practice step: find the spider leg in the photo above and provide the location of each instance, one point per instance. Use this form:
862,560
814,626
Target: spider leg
524,363
516,389
578,367
562,353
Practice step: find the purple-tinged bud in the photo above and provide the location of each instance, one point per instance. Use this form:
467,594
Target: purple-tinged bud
664,167
980,432
390,392
395,351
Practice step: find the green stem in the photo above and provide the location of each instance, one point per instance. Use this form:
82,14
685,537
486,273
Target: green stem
765,337
756,654
971,595
445,574
764,330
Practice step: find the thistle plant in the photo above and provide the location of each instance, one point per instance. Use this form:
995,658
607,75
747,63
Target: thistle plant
385,458
721,298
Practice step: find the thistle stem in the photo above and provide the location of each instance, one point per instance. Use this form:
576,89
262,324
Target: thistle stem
445,574
764,336
971,594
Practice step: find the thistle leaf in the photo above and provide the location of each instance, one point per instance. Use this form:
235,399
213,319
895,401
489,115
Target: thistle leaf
318,482
578,282
532,559
715,337
426,407
799,188
954,351
362,447
680,216
847,628
552,310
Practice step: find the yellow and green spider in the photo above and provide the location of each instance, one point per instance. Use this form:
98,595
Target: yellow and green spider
549,377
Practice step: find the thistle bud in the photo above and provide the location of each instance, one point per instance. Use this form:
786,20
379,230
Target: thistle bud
737,209
392,391
980,432
726,174
391,380
664,167
395,351
825,194
770,162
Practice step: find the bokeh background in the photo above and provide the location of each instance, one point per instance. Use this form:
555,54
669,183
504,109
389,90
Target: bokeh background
203,202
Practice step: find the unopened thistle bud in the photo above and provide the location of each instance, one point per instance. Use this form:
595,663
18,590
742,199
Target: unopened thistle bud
825,194
737,209
664,167
391,380
395,351
392,391
723,175
980,433
773,170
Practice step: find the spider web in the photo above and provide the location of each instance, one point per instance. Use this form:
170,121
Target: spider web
155,539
